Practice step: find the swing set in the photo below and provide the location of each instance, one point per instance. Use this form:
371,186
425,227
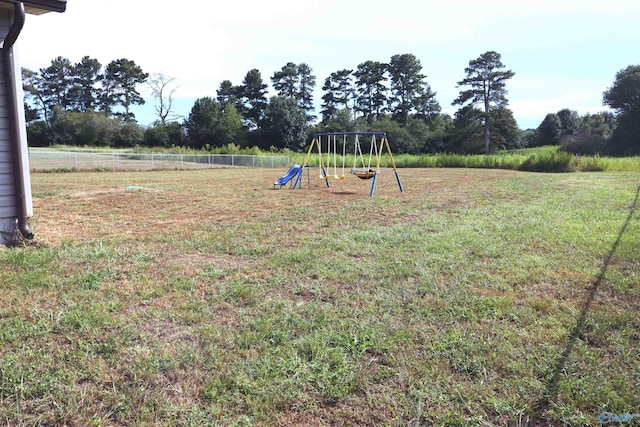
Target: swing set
328,149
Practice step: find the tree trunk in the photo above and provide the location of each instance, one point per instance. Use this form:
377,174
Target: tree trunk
486,118
486,134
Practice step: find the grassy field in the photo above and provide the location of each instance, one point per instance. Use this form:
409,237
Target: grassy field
476,297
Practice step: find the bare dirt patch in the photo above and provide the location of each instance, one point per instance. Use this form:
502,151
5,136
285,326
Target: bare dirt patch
135,205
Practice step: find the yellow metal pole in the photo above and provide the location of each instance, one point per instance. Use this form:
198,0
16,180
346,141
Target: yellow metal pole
316,143
306,159
379,153
393,164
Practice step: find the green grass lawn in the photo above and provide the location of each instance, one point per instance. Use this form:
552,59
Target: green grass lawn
476,297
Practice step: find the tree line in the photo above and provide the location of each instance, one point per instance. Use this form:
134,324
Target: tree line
84,104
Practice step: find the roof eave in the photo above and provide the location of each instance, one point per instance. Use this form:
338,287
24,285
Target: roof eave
38,7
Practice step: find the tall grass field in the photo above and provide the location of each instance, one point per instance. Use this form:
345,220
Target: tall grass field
476,297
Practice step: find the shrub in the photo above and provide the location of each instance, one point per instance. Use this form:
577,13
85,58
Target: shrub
558,161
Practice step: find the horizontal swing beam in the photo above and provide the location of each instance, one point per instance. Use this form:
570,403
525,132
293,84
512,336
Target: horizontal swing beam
384,134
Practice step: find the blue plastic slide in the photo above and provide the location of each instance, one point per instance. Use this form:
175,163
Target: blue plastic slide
284,179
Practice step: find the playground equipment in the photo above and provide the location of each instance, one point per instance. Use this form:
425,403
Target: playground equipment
293,172
376,142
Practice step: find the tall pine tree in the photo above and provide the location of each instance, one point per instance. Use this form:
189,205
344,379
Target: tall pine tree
486,80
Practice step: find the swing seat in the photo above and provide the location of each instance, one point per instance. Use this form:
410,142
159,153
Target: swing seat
364,173
338,177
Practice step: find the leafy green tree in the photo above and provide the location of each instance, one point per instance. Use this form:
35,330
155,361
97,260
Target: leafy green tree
121,77
30,113
338,91
528,137
38,134
285,81
410,92
209,123
568,121
156,136
227,93
342,121
466,135
253,99
175,131
427,107
63,85
32,85
85,76
83,128
329,108
49,88
624,98
550,131
624,95
307,83
285,124
439,126
371,90
167,135
505,130
400,138
68,96
57,81
486,79
601,124
296,82
129,134
414,137
591,135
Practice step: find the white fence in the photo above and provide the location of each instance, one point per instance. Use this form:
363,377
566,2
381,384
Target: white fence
84,160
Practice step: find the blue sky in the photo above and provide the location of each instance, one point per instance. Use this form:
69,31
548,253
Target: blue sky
564,53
